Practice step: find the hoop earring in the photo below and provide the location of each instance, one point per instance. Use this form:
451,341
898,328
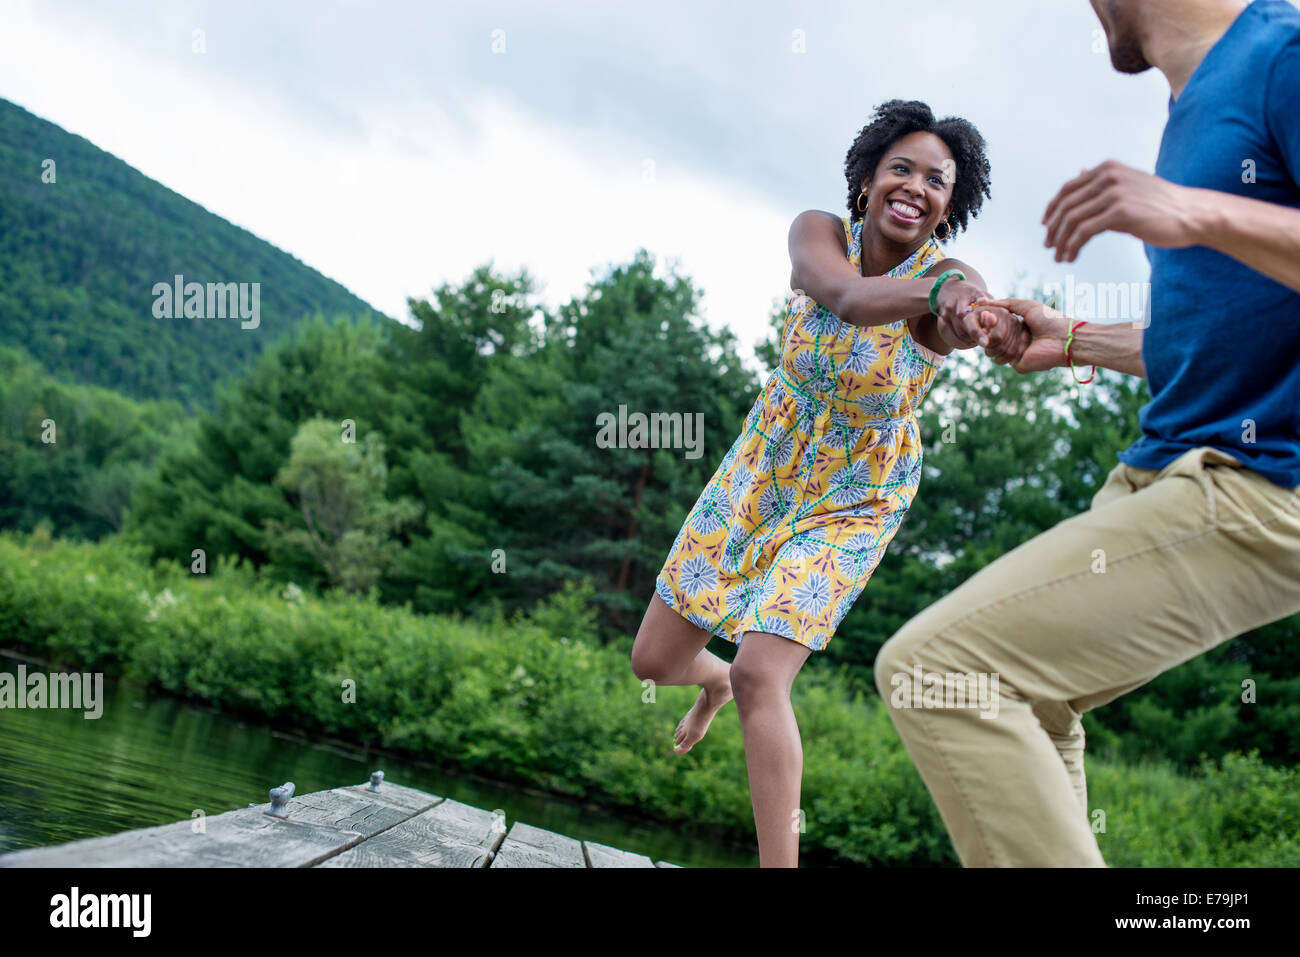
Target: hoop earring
947,231
861,209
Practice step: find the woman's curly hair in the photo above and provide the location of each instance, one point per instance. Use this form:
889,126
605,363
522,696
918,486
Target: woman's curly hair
896,119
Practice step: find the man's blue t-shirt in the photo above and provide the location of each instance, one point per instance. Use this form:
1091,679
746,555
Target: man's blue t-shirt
1222,351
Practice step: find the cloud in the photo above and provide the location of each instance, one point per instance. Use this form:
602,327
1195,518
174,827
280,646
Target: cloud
386,145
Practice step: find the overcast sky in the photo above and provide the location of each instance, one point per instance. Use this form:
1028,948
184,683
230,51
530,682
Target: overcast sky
390,146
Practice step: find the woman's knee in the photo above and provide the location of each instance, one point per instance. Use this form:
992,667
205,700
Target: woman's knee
651,664
665,644
753,680
746,680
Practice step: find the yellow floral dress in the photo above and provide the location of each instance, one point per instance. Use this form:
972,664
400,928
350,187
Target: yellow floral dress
794,521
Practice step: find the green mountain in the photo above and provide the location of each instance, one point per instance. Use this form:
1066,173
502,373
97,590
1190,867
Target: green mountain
87,244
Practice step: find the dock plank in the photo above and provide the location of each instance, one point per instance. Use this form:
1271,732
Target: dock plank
319,825
528,846
448,835
351,826
602,855
365,812
242,838
395,795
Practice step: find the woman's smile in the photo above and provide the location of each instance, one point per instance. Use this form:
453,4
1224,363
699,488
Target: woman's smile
905,212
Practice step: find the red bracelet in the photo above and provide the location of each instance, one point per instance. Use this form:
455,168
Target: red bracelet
1069,343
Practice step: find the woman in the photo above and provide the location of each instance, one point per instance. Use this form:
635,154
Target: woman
787,532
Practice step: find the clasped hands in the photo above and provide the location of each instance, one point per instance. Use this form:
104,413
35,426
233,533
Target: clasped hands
1027,335
1109,197
969,318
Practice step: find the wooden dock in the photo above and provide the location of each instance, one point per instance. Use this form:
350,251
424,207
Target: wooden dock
365,825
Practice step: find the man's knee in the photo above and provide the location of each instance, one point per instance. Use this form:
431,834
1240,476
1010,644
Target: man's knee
951,636
903,652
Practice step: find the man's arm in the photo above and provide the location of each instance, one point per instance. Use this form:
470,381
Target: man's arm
1115,346
1264,236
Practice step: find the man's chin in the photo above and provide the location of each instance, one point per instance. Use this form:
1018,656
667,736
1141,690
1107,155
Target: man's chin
1129,59
1130,68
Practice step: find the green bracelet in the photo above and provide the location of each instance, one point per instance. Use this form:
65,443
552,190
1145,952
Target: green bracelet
934,290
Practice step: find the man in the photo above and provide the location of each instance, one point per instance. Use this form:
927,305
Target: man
1195,536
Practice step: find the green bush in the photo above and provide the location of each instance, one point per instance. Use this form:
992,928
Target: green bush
521,702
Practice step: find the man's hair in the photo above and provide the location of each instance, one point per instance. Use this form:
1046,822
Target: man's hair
896,119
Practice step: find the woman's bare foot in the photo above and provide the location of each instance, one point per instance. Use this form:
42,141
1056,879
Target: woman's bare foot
692,727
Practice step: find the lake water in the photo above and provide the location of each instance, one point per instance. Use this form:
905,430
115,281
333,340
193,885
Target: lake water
153,759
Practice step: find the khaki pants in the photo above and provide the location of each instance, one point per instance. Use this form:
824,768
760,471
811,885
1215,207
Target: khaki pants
1165,565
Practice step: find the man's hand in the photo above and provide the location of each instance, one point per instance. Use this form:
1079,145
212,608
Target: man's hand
1007,337
1046,329
1117,197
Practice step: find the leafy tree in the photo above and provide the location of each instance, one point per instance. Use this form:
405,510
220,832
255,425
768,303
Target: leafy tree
214,487
436,370
338,487
565,508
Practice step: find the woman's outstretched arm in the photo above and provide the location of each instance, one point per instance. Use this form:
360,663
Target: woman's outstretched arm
819,268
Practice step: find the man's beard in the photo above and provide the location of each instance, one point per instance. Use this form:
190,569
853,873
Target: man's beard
1126,56
1125,49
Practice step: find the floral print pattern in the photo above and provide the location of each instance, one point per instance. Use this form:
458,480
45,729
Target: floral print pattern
786,533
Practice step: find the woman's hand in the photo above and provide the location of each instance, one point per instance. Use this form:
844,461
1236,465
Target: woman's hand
968,317
959,326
